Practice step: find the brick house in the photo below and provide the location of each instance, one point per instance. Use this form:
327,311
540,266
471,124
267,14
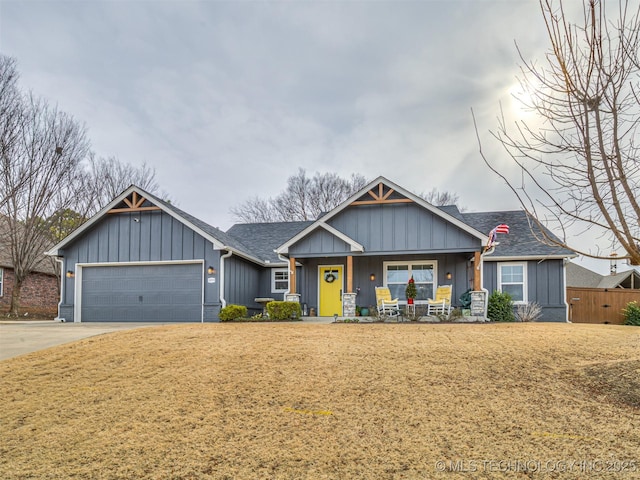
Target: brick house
40,290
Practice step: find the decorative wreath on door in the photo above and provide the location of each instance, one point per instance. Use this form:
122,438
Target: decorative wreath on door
329,277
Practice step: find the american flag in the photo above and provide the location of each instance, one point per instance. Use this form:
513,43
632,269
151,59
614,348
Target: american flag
493,234
502,228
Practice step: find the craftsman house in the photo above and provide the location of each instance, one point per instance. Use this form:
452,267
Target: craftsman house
143,259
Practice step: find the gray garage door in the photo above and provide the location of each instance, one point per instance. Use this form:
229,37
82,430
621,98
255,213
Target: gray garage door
142,293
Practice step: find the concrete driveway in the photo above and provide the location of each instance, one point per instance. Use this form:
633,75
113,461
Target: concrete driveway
18,338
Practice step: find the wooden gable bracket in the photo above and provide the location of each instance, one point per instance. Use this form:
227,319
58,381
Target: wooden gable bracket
134,204
381,197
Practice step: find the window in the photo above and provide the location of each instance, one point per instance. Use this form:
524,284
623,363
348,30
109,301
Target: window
1,281
279,280
397,274
512,280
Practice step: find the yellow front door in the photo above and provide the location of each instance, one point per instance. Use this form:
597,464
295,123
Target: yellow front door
330,283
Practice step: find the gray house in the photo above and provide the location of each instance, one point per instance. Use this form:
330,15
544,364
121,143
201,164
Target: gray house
143,259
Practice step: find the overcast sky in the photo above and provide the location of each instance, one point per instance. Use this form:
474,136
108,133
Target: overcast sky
226,99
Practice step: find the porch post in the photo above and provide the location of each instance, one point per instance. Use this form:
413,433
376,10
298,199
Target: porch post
349,274
292,275
477,271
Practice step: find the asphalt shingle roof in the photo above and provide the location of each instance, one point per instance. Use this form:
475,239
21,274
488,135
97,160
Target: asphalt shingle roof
520,241
259,240
264,238
43,264
216,233
579,276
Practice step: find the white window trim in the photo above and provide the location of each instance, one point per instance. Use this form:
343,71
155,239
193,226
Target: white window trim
1,281
525,286
273,280
409,263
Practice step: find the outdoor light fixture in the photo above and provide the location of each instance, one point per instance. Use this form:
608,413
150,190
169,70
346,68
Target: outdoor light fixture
372,277
70,274
448,275
211,271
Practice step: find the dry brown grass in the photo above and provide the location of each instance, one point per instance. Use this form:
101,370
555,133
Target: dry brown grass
292,401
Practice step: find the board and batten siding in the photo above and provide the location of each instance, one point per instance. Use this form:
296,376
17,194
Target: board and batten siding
383,229
243,281
140,237
320,242
401,227
545,286
458,265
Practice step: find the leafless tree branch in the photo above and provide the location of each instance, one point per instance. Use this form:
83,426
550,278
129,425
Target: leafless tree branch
579,160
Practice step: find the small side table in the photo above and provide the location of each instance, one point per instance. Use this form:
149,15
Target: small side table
410,309
263,301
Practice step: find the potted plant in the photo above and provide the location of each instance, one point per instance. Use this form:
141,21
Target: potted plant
411,292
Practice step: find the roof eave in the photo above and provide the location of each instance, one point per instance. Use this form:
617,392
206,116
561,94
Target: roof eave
217,244
284,248
509,258
55,250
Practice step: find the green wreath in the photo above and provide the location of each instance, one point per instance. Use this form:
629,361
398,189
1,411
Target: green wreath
329,277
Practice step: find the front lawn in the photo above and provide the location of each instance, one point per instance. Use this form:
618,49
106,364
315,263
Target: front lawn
338,401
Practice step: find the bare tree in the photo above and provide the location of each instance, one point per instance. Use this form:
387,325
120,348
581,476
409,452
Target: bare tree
579,161
106,178
328,190
436,197
255,210
12,116
44,179
305,198
46,187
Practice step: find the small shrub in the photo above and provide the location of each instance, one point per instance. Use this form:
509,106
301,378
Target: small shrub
632,314
232,312
528,312
283,310
500,307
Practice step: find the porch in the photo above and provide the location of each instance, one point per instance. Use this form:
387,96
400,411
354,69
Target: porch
344,285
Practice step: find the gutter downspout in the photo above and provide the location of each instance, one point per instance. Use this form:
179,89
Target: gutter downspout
60,260
486,292
567,309
223,302
286,260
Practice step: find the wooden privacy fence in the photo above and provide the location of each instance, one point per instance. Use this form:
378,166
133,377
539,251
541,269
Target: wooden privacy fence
599,305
